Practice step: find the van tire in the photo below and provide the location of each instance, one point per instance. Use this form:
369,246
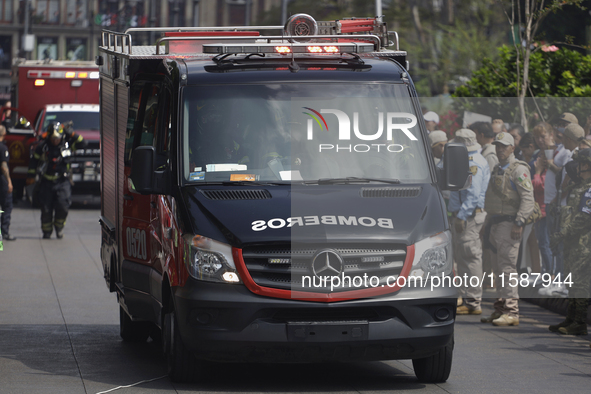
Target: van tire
182,365
435,368
132,331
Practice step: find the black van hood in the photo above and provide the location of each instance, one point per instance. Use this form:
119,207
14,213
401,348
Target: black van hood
314,213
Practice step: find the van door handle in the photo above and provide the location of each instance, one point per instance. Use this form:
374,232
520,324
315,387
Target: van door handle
128,197
153,205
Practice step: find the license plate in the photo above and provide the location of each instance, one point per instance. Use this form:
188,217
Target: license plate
327,331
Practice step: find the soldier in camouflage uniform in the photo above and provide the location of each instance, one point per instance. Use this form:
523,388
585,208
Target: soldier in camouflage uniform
575,231
509,203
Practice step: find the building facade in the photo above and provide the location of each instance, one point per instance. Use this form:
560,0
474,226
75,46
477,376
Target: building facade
71,29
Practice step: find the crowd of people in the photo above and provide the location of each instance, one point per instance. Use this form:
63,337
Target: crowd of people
530,200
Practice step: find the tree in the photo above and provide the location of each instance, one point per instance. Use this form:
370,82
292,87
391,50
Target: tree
445,39
562,74
528,22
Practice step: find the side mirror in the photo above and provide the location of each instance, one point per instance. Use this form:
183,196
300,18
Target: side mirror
142,169
145,178
456,172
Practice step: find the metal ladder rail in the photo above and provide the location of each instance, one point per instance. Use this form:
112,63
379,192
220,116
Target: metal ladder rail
190,28
112,37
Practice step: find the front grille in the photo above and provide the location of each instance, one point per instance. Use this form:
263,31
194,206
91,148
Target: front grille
85,163
91,150
291,268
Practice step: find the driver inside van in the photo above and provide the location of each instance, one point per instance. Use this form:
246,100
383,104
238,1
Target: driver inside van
239,138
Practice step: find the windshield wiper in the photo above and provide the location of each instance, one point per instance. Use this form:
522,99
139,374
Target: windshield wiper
351,179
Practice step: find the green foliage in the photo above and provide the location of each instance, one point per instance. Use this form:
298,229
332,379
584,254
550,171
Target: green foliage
453,50
564,73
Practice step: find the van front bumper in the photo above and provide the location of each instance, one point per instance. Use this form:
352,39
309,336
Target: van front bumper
223,322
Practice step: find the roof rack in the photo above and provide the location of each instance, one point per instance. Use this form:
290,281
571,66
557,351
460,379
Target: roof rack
301,34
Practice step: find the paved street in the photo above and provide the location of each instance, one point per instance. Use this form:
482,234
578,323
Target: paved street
59,333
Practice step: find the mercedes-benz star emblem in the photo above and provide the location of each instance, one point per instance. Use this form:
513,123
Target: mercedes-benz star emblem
327,263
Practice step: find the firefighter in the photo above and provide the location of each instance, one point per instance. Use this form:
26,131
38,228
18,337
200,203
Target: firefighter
52,156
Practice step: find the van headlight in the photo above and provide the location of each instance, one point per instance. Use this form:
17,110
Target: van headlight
433,256
210,260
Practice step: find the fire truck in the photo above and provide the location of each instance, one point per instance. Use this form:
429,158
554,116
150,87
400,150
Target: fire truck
269,195
36,86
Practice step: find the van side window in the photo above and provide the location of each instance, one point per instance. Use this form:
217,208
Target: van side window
132,118
150,120
142,118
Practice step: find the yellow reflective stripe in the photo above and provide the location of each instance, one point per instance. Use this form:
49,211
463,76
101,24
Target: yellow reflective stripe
46,226
31,171
51,177
37,156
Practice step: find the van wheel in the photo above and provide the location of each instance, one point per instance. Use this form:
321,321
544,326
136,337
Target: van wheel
181,362
132,331
435,368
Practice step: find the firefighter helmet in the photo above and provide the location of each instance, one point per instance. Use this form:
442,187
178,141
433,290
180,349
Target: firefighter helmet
23,123
55,130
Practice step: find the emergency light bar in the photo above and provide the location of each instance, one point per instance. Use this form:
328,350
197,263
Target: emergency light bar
51,74
349,47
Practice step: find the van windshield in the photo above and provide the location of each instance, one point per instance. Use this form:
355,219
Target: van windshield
301,132
83,120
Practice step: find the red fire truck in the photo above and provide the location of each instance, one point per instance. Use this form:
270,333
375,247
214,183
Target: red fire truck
35,85
246,194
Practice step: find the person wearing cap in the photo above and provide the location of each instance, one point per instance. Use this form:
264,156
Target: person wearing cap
573,136
575,232
509,203
485,136
564,120
561,123
55,189
467,208
437,139
431,121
